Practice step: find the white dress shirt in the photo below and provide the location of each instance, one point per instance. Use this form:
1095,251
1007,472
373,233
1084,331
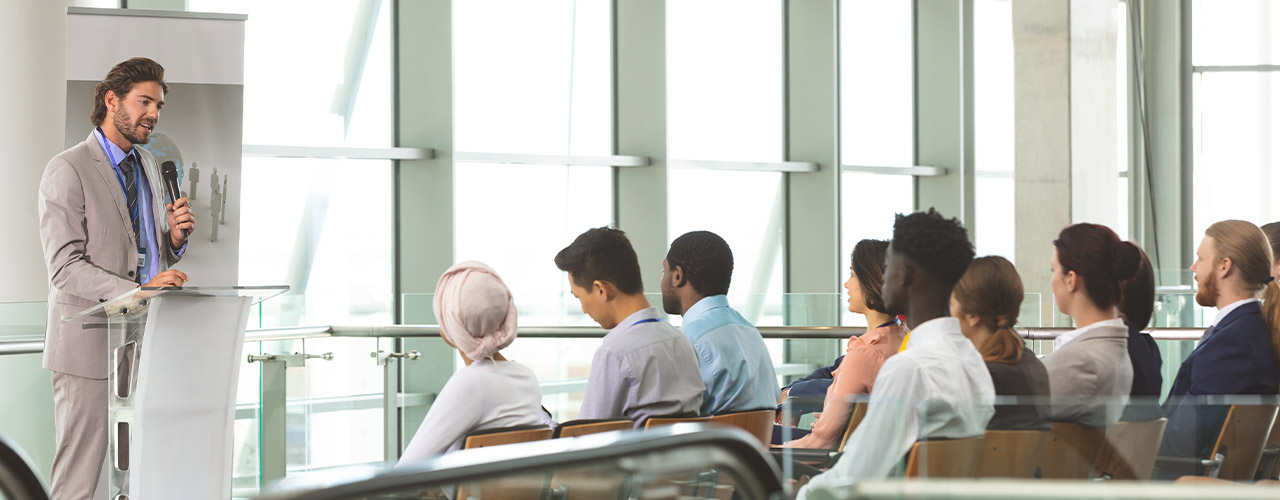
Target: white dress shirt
1066,338
487,394
939,387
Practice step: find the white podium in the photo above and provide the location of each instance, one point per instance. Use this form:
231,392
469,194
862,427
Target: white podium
173,362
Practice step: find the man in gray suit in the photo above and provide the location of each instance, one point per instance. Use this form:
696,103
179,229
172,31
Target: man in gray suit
106,228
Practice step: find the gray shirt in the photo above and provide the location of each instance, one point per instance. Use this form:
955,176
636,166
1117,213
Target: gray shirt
645,368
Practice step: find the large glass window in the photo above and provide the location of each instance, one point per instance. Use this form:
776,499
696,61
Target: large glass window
533,78
1235,113
877,127
993,136
724,103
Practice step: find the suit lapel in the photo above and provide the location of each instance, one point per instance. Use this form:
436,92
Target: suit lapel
157,197
108,173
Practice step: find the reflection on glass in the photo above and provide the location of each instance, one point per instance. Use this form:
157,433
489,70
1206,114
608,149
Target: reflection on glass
532,77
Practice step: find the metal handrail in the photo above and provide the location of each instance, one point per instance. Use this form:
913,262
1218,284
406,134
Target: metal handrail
35,344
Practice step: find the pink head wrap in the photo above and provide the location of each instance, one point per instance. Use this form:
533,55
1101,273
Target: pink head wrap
475,310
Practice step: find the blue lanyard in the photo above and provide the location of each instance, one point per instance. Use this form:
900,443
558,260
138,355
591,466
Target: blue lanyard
650,320
102,138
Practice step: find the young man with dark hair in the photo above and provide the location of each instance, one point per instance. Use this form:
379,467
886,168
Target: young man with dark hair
645,367
732,358
107,227
938,387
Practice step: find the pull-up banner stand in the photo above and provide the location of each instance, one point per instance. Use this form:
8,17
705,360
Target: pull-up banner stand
201,125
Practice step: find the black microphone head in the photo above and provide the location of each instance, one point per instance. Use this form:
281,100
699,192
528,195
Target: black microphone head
169,172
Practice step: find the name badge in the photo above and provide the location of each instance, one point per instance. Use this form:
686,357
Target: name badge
142,265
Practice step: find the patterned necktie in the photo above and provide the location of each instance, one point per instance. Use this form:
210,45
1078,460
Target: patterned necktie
131,187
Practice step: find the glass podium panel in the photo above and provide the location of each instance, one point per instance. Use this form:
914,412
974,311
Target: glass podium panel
171,412
676,462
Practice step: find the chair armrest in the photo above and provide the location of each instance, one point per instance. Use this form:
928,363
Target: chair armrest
1199,465
801,405
805,461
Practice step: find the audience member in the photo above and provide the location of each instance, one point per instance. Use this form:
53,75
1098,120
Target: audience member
1271,298
1236,355
732,358
987,301
864,354
1089,370
1138,301
478,317
645,367
938,386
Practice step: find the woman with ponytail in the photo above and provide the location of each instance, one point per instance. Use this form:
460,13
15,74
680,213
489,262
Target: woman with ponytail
1139,301
1271,298
1090,374
987,300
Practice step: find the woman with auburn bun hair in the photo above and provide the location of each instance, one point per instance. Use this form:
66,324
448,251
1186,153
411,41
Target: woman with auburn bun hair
987,300
1090,374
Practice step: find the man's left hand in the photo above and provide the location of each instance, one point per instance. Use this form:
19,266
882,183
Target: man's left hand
180,217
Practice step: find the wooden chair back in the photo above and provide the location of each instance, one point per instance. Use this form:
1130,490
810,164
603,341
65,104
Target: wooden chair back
661,421
520,487
856,415
1071,452
944,458
1243,435
506,435
1269,465
1129,450
1011,453
757,422
575,428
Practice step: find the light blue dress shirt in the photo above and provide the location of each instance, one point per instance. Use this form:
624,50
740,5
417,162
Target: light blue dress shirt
146,223
732,358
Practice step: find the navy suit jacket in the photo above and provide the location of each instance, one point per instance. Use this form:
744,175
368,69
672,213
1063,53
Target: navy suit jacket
1234,357
814,384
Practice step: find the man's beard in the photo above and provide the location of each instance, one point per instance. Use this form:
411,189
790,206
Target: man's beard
671,303
1207,295
128,130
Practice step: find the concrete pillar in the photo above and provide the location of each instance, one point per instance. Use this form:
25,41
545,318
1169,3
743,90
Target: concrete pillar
424,228
36,32
944,104
1065,135
640,128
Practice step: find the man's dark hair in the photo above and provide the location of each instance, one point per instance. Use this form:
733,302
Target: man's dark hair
604,254
121,80
937,244
706,260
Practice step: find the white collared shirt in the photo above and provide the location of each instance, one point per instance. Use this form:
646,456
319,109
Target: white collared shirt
939,387
1066,338
1222,313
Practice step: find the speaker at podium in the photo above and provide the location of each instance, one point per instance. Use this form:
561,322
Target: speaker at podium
174,358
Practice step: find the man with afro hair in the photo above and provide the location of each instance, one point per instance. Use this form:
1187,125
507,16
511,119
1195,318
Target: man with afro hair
938,386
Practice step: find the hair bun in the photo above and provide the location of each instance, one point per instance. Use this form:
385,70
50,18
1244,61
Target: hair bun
1126,258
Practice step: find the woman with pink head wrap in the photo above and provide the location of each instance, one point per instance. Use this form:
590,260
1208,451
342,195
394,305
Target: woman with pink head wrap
477,316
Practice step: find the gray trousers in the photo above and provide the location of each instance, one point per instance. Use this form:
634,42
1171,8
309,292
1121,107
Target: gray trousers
80,425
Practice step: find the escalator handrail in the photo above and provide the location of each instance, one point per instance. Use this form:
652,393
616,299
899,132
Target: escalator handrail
550,455
18,477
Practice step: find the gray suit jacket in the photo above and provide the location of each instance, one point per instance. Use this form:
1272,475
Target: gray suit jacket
90,249
1090,377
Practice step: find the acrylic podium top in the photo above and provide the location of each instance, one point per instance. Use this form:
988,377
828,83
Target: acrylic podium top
138,297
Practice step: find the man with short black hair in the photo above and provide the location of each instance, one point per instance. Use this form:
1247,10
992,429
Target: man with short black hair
645,367
938,386
732,358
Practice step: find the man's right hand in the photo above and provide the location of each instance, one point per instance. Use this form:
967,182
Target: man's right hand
170,278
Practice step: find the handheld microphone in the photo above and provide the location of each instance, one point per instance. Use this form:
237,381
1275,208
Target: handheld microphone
169,172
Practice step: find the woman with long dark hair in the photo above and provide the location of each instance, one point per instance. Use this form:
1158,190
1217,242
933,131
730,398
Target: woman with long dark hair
1090,374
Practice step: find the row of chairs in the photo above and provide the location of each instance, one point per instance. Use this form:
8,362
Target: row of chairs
758,422
1247,447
